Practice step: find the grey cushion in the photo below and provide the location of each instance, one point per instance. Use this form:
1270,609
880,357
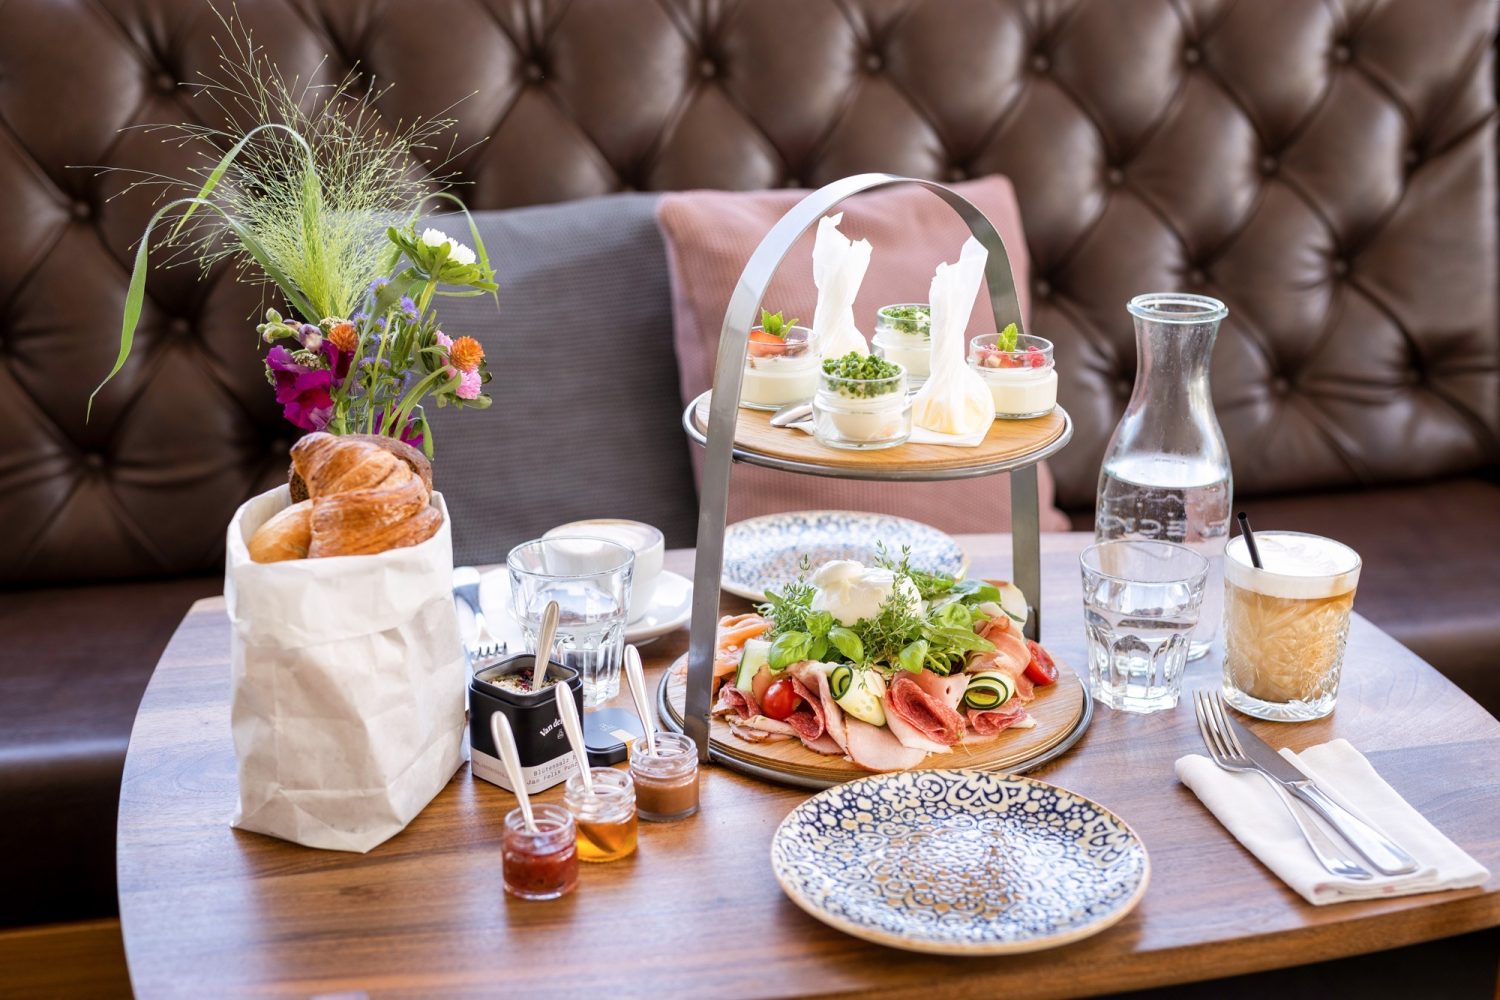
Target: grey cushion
586,418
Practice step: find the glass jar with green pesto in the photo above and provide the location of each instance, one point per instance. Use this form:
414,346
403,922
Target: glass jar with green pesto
861,402
903,334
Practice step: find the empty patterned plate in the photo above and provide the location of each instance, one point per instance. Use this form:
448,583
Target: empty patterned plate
959,862
765,553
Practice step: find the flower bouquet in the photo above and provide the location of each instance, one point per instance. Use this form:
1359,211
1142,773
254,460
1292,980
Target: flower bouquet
319,200
347,674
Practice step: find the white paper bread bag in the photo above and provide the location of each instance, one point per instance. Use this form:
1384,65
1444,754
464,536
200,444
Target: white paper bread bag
348,681
955,398
839,266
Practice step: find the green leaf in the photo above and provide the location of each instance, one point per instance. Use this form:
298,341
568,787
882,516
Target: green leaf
820,622
789,648
977,592
217,174
913,655
819,648
846,642
479,250
1007,339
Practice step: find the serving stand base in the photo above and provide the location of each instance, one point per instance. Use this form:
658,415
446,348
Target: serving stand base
1062,713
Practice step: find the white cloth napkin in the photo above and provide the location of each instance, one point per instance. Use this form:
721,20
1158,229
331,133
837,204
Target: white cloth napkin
839,266
921,435
1250,809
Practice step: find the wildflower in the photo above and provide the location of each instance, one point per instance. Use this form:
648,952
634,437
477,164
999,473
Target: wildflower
469,384
409,307
343,336
378,284
303,391
466,354
456,250
443,340
312,341
412,434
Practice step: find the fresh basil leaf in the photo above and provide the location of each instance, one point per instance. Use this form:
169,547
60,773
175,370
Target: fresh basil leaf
819,622
846,642
819,649
913,655
789,648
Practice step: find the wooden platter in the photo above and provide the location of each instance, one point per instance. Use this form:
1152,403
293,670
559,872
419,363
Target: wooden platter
1062,712
1010,444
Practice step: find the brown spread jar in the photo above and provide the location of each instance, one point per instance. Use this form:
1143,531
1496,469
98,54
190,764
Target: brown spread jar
666,782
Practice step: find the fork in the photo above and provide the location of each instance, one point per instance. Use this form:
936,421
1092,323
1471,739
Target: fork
466,589
1225,749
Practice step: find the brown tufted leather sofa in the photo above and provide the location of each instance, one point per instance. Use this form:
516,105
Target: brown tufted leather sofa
1327,168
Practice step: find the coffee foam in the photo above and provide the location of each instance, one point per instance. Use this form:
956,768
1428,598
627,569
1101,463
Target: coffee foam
1297,566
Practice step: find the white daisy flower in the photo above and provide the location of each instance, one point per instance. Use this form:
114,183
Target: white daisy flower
456,250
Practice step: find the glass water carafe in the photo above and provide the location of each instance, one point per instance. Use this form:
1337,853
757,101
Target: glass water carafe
1166,470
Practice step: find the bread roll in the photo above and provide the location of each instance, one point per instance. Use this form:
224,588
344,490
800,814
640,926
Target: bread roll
413,458
287,535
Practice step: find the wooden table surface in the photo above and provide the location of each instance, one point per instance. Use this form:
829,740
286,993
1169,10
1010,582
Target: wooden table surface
211,911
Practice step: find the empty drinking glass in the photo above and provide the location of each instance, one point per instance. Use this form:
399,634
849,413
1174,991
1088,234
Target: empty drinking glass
589,578
1140,604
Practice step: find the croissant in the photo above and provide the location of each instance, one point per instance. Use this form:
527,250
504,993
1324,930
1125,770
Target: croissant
364,496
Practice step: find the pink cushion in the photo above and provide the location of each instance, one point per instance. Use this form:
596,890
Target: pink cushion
711,234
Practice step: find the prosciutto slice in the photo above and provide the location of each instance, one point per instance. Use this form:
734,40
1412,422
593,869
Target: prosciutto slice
874,748
930,715
734,701
1010,653
994,721
762,729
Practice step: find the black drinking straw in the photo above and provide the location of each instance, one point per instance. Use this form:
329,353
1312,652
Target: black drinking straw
1250,540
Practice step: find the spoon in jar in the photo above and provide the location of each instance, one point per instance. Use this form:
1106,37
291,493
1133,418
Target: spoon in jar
567,711
791,413
505,743
546,633
636,680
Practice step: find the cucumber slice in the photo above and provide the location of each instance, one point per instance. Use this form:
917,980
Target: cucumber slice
988,689
757,654
1013,602
863,691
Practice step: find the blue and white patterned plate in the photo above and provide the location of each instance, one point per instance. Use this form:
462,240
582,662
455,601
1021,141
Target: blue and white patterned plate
765,553
959,862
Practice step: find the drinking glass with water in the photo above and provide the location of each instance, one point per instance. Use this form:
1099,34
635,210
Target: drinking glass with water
1141,601
589,578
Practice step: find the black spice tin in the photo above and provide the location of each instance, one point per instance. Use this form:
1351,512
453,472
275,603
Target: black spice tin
546,758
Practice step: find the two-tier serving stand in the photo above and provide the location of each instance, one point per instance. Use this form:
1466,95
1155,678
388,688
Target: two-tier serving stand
729,434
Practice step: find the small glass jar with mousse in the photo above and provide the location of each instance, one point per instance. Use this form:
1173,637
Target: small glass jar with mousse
861,402
781,366
1019,370
903,334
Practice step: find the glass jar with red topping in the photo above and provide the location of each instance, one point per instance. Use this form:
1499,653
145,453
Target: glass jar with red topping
541,864
1022,380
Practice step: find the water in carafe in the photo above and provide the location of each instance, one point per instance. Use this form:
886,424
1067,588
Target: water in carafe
1166,472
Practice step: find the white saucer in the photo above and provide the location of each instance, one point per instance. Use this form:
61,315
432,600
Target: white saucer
671,607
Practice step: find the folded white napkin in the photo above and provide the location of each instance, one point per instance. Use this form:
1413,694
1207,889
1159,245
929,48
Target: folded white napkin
1250,809
921,435
839,266
955,401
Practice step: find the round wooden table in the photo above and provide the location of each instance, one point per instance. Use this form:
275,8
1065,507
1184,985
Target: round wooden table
211,911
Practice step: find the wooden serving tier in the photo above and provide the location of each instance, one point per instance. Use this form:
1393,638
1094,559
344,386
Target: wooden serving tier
1062,712
1009,445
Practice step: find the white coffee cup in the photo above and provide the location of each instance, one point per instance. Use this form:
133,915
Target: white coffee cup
647,543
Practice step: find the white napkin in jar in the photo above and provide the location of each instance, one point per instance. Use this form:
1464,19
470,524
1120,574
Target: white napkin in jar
1250,809
839,266
955,400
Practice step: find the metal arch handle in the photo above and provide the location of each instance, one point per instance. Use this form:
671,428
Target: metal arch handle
713,508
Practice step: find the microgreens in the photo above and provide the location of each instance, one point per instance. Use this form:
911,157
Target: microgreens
1006,341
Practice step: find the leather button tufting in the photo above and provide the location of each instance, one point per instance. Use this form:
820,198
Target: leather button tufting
1342,53
1411,157
956,174
1269,164
1192,55
165,82
82,210
1123,386
1115,176
93,460
180,327
1040,63
793,182
707,68
1198,276
1341,267
535,73
1281,385
1043,288
873,62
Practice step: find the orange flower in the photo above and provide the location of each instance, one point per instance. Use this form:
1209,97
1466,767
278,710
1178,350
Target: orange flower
465,354
344,337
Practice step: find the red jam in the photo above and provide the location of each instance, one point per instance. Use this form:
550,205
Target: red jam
544,864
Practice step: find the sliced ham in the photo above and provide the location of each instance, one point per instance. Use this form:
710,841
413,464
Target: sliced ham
992,722
949,690
813,677
930,715
874,748
762,729
825,745
1010,653
734,701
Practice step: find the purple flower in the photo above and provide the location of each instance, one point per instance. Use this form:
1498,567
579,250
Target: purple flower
303,391
412,433
378,284
409,307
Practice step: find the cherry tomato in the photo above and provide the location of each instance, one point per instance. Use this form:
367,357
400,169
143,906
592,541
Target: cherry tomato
781,699
1041,671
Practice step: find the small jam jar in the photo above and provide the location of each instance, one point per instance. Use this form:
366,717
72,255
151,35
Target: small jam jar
605,817
666,782
544,864
1023,382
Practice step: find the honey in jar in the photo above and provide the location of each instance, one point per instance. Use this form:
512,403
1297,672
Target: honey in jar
605,818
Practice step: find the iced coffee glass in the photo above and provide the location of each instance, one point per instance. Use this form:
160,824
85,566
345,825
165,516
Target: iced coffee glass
1285,624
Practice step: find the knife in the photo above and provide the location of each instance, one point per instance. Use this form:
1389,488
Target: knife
1385,855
